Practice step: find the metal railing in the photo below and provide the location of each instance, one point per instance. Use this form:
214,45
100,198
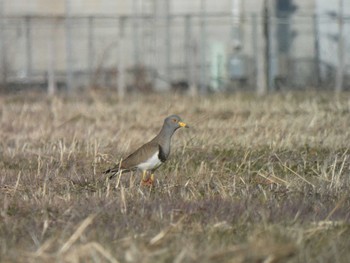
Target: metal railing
198,52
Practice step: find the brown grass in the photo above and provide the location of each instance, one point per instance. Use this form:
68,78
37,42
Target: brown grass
253,180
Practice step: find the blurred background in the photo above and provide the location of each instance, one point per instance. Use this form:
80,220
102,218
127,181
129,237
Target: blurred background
195,47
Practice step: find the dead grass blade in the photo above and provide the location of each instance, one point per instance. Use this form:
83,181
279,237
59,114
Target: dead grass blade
322,226
162,234
42,249
81,251
255,252
273,179
340,202
180,257
295,173
87,221
17,182
119,174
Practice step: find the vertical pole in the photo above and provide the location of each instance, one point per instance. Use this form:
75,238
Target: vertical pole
255,76
3,45
267,52
191,58
68,33
50,65
168,41
154,60
136,32
261,58
317,50
236,25
187,45
340,68
271,45
121,66
91,54
203,49
28,34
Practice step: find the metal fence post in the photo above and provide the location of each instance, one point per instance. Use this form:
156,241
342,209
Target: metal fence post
203,49
28,43
187,45
3,62
91,54
255,47
51,61
266,43
69,53
190,57
272,20
168,41
135,28
121,65
317,50
261,57
153,49
340,49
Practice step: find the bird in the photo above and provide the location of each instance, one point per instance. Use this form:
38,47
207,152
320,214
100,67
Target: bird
151,155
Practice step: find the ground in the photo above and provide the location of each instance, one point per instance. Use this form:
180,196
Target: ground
255,179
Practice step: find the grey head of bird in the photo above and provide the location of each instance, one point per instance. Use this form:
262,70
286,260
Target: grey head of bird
171,124
174,122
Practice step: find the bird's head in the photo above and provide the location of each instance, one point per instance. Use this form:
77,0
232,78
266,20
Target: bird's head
175,122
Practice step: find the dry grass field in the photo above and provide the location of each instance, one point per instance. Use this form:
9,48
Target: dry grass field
252,180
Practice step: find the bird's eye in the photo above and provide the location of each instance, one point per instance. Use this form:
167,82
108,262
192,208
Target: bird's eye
174,120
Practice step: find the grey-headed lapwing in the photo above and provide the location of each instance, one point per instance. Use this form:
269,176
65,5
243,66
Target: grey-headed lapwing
151,155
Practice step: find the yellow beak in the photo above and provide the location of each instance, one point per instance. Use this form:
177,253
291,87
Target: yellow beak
182,124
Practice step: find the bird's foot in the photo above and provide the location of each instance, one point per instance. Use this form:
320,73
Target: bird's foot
149,181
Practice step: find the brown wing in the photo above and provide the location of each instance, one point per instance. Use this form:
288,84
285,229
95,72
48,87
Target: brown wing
130,163
140,155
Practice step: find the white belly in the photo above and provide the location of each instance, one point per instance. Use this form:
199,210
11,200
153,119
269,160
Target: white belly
151,163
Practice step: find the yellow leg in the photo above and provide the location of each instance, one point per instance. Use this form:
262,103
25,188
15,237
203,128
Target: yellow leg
144,175
149,181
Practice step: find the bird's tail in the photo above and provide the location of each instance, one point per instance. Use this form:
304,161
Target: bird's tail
112,171
115,170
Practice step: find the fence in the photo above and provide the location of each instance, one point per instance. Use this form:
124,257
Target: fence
200,52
